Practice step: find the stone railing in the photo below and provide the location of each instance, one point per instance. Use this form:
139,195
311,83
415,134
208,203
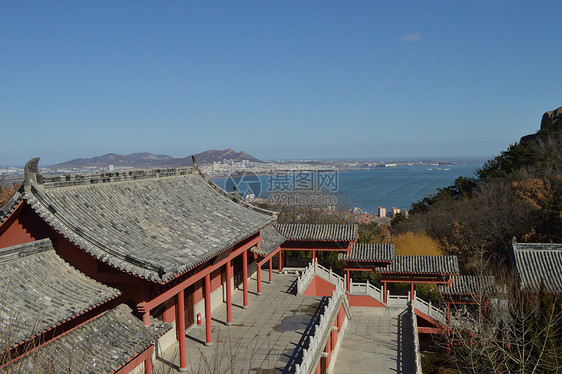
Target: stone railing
430,310
316,342
417,369
304,278
397,300
366,288
329,275
314,268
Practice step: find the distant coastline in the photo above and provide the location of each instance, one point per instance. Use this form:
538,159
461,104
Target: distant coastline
397,187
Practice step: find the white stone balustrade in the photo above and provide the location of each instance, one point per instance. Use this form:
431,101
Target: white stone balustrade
310,356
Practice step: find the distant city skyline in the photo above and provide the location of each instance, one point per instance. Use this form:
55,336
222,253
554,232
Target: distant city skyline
291,80
298,160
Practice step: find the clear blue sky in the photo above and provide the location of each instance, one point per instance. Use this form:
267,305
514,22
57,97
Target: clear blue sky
446,78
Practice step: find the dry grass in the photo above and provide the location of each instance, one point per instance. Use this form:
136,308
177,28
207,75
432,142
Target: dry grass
419,243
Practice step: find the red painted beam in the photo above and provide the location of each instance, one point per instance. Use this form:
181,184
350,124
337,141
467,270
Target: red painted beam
434,322
314,249
166,295
269,256
409,280
357,269
430,330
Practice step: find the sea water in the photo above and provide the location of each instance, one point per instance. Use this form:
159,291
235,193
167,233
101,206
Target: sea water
387,187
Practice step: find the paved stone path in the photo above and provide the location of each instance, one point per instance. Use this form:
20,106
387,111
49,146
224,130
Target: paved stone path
377,340
269,335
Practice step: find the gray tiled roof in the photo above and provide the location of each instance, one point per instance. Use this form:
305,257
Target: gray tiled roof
410,264
470,285
536,262
318,232
539,246
156,225
369,252
10,205
40,291
102,345
270,241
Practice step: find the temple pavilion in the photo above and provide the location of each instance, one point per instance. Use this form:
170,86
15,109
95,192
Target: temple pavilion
109,269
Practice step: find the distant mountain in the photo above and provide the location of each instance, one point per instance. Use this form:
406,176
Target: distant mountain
213,155
147,160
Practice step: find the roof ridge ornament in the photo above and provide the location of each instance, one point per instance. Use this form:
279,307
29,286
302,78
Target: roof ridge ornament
31,172
195,164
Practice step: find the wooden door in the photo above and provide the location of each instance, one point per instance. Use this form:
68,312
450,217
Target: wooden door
237,264
188,306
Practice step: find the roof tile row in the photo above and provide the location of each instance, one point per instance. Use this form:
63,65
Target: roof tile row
40,291
154,227
318,232
369,252
102,345
536,262
412,264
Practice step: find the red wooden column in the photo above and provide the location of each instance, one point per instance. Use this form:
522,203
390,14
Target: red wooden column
384,291
209,336
259,278
313,255
245,277
270,270
228,293
411,291
280,261
148,365
180,323
146,318
347,281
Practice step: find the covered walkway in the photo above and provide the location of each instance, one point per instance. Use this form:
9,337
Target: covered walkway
269,335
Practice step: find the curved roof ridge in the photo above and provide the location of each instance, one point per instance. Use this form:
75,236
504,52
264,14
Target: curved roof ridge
67,180
15,252
71,180
234,198
156,228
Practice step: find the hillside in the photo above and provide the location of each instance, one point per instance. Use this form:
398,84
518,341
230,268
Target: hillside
516,194
147,160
